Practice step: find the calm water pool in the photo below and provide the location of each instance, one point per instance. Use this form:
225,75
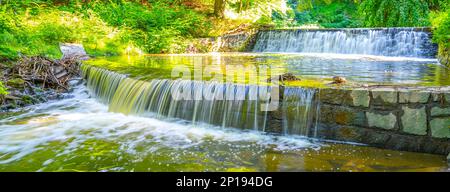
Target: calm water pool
79,134
356,68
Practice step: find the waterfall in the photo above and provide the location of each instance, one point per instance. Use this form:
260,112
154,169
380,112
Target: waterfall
398,42
240,108
301,110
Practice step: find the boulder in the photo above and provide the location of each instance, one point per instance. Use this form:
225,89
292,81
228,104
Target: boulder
70,50
339,80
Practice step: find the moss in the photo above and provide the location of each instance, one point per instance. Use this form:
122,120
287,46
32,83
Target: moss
27,99
16,82
311,83
3,90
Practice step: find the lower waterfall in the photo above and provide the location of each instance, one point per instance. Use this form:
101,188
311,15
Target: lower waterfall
240,106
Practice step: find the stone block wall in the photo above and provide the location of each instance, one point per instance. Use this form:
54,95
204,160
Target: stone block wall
226,43
412,119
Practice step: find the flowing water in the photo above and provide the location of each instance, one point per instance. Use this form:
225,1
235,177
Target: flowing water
79,134
126,117
317,66
398,42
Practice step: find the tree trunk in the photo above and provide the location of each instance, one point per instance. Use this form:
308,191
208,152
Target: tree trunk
219,8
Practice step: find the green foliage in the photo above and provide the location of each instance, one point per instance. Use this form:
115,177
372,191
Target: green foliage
38,30
154,29
36,27
114,27
395,13
3,90
326,13
441,27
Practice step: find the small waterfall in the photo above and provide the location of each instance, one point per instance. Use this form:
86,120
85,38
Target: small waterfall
240,108
219,104
399,42
300,111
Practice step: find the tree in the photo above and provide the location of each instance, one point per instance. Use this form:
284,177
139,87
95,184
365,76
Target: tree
395,13
219,8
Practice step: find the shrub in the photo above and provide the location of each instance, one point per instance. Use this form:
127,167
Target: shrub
441,27
38,30
157,28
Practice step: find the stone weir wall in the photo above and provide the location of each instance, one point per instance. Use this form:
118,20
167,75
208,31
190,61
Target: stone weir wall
226,43
410,119
413,119
245,41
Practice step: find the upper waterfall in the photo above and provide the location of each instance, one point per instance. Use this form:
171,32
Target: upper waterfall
397,42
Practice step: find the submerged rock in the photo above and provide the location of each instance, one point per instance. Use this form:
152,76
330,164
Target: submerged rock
284,77
339,80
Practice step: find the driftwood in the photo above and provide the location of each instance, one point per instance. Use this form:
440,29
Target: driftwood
53,74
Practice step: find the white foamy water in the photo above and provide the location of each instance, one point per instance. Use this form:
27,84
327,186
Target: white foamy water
398,42
81,118
357,57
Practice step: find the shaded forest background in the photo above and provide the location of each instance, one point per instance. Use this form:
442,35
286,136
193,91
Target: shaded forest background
114,27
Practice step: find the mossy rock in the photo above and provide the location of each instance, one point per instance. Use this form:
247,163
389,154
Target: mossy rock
16,83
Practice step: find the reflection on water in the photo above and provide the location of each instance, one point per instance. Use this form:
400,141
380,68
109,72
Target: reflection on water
358,68
78,134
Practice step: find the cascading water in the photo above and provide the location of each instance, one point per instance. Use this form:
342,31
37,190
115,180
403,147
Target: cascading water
300,107
226,105
300,111
240,106
398,42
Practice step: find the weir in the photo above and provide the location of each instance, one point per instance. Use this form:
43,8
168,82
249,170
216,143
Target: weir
398,42
219,104
410,119
395,117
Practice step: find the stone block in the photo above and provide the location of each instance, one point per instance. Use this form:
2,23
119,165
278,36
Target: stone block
410,96
440,127
447,97
360,97
334,96
341,115
383,96
384,121
414,121
438,111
